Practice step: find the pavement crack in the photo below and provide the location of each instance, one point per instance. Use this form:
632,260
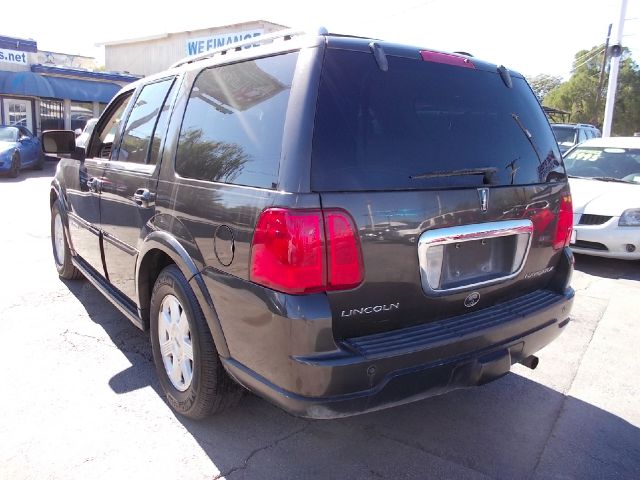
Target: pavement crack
67,337
416,445
245,462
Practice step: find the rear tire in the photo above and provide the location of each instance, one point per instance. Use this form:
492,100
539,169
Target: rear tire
187,363
15,165
60,247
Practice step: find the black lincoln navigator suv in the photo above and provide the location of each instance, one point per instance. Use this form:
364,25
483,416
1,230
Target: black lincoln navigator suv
337,224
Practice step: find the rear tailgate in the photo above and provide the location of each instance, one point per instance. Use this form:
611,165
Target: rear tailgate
390,225
427,146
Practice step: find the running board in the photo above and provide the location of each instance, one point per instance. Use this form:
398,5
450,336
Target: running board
114,296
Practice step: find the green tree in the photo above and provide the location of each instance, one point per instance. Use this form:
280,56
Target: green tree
542,84
626,118
581,96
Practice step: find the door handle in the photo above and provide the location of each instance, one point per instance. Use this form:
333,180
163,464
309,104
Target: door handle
94,185
143,197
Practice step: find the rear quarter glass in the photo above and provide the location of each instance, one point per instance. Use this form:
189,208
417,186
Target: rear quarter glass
375,130
233,124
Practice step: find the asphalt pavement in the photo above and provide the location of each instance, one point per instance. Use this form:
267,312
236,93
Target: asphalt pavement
79,398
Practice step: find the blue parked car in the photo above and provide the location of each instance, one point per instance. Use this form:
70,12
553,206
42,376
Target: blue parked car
19,148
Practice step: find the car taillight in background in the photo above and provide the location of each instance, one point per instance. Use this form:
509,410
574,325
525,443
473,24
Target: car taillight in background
565,223
305,251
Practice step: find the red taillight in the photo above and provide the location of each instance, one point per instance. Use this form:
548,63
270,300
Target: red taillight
288,252
446,58
344,258
565,223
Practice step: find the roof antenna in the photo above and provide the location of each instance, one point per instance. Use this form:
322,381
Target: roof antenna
380,56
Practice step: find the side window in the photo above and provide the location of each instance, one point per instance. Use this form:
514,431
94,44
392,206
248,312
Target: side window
25,133
161,126
233,124
103,141
142,121
581,135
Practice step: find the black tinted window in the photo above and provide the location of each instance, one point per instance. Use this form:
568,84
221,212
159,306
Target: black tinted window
142,121
376,130
232,127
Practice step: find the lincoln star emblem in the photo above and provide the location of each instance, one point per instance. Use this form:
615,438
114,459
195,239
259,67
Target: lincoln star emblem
483,193
472,299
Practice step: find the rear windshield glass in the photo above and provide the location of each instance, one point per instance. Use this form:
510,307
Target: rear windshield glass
424,125
565,135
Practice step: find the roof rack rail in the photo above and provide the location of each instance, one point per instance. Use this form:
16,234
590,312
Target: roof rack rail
286,34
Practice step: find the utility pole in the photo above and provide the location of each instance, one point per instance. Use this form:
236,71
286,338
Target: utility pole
616,51
602,69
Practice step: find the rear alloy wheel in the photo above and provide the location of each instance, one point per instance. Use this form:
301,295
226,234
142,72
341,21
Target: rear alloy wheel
186,359
61,252
176,347
15,165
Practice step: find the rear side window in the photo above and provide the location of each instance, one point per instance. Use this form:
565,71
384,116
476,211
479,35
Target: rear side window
582,135
142,122
399,129
233,124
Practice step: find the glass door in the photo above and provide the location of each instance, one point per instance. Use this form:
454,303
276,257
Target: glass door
18,112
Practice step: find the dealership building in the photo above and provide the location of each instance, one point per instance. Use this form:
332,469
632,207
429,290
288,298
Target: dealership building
149,55
44,90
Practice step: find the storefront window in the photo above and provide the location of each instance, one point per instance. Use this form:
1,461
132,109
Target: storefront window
80,113
18,114
51,114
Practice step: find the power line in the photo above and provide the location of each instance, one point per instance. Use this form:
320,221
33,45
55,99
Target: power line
591,57
585,54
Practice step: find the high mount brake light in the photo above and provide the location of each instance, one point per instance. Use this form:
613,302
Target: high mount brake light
446,58
304,251
565,223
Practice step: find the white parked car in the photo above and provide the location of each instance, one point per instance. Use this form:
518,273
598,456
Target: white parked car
604,174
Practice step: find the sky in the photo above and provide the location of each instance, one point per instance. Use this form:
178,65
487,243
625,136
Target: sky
540,37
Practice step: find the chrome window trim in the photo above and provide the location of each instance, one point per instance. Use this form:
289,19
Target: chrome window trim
465,233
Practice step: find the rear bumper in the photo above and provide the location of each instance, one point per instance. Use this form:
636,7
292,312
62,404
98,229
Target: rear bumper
419,362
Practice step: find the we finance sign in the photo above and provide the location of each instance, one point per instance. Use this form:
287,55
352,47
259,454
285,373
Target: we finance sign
195,46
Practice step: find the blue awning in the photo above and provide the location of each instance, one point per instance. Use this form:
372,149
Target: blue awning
33,84
25,83
83,90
